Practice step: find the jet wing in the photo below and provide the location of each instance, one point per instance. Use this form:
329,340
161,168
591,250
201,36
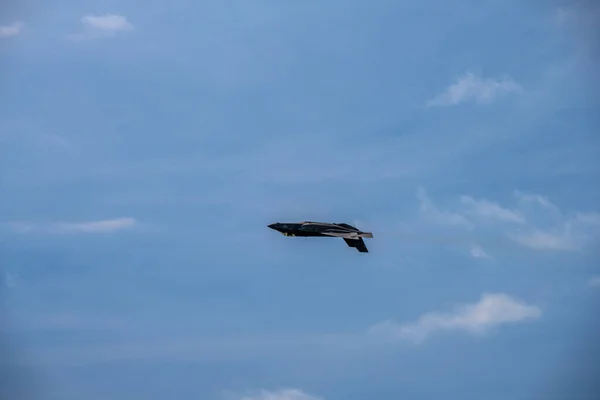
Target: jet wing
348,235
358,244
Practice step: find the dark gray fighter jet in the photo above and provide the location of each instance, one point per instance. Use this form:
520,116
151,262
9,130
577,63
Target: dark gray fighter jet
351,235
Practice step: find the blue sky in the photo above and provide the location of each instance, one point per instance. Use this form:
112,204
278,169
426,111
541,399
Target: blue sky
144,149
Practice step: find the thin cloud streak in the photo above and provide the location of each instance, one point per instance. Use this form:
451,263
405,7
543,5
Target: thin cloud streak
282,394
103,226
102,26
107,23
11,30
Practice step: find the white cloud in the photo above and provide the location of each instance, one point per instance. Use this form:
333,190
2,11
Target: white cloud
478,252
10,30
488,209
108,25
428,209
103,226
282,394
493,309
471,87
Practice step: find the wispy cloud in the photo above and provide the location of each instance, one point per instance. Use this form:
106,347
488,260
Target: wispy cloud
10,280
492,309
536,199
103,226
434,214
594,281
542,240
564,15
472,87
11,30
102,26
34,135
491,210
535,223
282,394
478,252
68,321
581,14
568,233
589,219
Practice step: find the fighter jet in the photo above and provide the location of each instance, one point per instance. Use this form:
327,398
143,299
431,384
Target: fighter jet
351,235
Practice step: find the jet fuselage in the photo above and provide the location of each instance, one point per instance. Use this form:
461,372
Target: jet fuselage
351,235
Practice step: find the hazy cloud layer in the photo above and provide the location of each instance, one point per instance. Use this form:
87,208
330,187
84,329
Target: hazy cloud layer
211,118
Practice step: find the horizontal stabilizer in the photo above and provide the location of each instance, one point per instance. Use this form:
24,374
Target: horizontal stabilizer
358,244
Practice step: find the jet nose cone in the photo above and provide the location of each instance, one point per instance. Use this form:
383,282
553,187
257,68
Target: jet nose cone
272,226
